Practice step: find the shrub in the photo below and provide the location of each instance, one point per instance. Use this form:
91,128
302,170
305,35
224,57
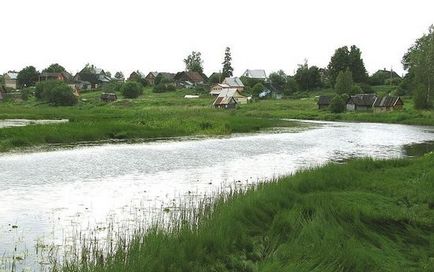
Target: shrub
62,95
131,89
337,105
43,87
26,93
366,88
164,87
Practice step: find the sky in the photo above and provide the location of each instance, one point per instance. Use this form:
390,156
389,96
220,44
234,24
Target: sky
157,35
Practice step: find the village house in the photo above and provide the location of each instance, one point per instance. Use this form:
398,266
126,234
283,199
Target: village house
255,74
234,82
188,79
361,102
150,78
323,102
137,76
62,76
10,79
224,99
216,89
388,103
96,77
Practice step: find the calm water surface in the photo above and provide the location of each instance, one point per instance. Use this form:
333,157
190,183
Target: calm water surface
47,199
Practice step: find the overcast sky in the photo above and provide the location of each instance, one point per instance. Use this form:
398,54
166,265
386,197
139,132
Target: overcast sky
157,35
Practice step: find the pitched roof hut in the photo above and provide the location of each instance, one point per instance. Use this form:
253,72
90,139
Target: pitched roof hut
388,103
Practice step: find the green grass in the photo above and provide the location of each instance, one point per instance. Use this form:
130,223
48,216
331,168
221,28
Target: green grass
169,115
364,215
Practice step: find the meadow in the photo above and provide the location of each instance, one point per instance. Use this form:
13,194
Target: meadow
162,115
363,215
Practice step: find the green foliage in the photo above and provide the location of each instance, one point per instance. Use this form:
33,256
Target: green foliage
112,87
356,89
43,88
27,77
131,89
227,64
291,86
119,75
366,88
344,59
419,60
54,68
308,78
344,83
194,63
257,89
250,82
62,95
278,80
337,104
26,93
215,78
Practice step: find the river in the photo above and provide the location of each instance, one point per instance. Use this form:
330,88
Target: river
49,199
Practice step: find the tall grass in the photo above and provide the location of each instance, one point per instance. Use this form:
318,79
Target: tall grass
365,215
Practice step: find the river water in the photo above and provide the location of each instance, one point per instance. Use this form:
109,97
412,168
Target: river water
48,199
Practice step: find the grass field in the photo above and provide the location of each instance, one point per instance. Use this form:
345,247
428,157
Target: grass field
363,215
170,114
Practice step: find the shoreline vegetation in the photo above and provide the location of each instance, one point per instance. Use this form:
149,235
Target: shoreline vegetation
363,215
164,115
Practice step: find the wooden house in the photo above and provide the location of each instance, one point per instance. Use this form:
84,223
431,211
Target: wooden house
63,76
361,102
388,103
10,80
225,98
185,79
150,77
216,89
222,102
93,75
137,76
323,102
234,82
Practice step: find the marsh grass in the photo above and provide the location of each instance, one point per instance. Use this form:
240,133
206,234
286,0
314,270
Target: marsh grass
364,215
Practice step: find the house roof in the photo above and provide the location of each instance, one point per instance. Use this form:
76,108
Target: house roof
387,101
362,99
194,77
12,75
230,92
233,82
167,75
324,100
257,73
154,74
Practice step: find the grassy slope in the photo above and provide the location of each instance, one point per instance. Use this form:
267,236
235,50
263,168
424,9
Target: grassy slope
169,114
361,216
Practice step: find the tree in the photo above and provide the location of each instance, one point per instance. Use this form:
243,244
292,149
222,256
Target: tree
215,78
119,75
54,68
227,65
27,77
419,61
131,89
278,80
337,104
344,83
62,95
257,89
108,73
194,63
344,59
308,78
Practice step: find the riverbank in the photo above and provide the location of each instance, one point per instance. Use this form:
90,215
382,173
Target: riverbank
164,115
364,215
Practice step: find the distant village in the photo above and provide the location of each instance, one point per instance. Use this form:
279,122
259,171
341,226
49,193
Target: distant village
345,76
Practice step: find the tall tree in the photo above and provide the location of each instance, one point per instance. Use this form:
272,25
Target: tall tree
119,75
194,63
419,61
54,68
27,76
344,83
227,64
278,80
344,59
308,78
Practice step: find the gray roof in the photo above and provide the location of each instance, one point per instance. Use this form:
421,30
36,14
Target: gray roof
233,82
362,99
12,75
258,74
387,101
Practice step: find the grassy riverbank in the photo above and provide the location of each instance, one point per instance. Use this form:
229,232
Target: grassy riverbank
169,115
364,215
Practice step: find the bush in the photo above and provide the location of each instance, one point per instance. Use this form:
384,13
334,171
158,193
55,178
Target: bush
26,93
131,89
164,87
337,105
366,88
112,87
43,87
62,95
